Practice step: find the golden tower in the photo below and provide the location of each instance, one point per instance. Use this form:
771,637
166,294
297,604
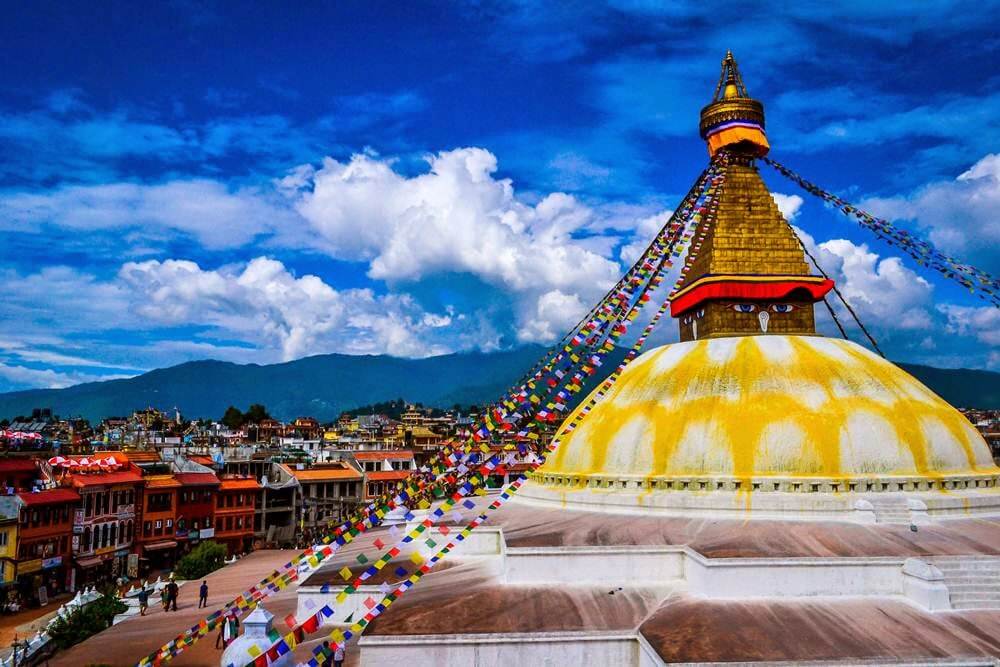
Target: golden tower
750,276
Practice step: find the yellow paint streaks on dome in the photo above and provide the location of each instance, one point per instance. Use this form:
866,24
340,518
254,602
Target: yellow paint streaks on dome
769,406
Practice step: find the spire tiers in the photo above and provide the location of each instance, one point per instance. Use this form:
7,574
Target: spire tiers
750,276
733,119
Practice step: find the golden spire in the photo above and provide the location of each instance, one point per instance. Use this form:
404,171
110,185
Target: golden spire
732,117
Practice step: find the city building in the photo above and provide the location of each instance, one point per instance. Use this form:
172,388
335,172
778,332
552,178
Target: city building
235,506
104,522
44,532
156,543
195,507
325,492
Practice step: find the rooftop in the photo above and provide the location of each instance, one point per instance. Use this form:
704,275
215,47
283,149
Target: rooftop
397,454
322,473
197,478
235,483
49,497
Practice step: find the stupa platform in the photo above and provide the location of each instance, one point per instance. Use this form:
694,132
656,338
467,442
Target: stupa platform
570,586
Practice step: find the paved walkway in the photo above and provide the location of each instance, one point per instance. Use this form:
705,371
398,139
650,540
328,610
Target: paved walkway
27,622
126,642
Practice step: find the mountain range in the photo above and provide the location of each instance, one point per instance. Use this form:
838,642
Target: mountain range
322,386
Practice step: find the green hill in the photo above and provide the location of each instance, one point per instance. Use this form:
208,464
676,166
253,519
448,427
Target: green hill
325,385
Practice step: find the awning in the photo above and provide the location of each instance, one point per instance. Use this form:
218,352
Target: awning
89,561
156,546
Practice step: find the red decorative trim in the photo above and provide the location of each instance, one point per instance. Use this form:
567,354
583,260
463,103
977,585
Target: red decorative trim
749,291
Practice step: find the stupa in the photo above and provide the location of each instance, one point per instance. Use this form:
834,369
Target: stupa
754,413
755,493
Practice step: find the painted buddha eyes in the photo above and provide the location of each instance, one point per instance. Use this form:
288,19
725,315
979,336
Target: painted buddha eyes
750,307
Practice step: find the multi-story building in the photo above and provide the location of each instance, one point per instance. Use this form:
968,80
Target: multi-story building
235,504
104,523
326,492
155,541
44,538
195,508
382,469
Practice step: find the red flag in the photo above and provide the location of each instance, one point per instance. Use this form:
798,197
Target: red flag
379,543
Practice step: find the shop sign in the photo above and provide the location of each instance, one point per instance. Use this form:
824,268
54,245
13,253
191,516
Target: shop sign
207,533
78,519
76,543
126,511
181,533
121,553
51,562
29,566
78,529
133,566
194,534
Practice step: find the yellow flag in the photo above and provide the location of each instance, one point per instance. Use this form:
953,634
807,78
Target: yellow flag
345,573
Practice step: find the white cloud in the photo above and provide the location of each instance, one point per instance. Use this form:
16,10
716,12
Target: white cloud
263,303
206,210
789,205
960,215
22,377
983,322
882,291
457,218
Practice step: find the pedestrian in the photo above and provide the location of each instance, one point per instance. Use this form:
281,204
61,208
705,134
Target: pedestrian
338,656
230,629
165,597
327,654
172,590
203,595
143,600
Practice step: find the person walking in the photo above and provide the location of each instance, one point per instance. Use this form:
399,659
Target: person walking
143,600
172,590
203,595
165,598
338,656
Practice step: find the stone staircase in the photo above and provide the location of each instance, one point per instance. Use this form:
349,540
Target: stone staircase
890,508
973,581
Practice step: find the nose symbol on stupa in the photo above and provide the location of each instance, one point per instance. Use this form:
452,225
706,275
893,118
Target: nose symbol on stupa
764,318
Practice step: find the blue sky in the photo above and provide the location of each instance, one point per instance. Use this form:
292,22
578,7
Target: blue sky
257,183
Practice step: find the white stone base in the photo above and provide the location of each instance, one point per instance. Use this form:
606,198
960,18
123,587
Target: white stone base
806,505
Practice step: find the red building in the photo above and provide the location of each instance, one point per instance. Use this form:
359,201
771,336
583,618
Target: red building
17,474
44,537
104,523
155,542
195,508
234,511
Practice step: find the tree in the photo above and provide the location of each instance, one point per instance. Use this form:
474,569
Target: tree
233,418
255,414
85,621
204,558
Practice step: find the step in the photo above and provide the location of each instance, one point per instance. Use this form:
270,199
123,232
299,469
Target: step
976,604
973,587
977,571
975,596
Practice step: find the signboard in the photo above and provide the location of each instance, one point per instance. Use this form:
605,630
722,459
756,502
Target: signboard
51,562
121,552
133,566
181,533
76,543
78,519
78,529
29,566
206,533
126,511
43,595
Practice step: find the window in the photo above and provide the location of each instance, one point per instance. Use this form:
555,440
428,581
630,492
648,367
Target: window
128,531
239,522
239,500
86,539
89,505
218,524
3,539
218,501
114,534
170,523
147,528
229,523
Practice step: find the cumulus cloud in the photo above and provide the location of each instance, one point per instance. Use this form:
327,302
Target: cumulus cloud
456,218
982,322
960,215
883,291
264,303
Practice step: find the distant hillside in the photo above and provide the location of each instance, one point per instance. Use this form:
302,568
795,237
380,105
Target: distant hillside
325,385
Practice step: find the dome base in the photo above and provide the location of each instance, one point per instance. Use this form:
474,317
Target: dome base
870,500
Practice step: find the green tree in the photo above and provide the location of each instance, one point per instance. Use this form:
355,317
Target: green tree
85,621
255,414
233,418
204,558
